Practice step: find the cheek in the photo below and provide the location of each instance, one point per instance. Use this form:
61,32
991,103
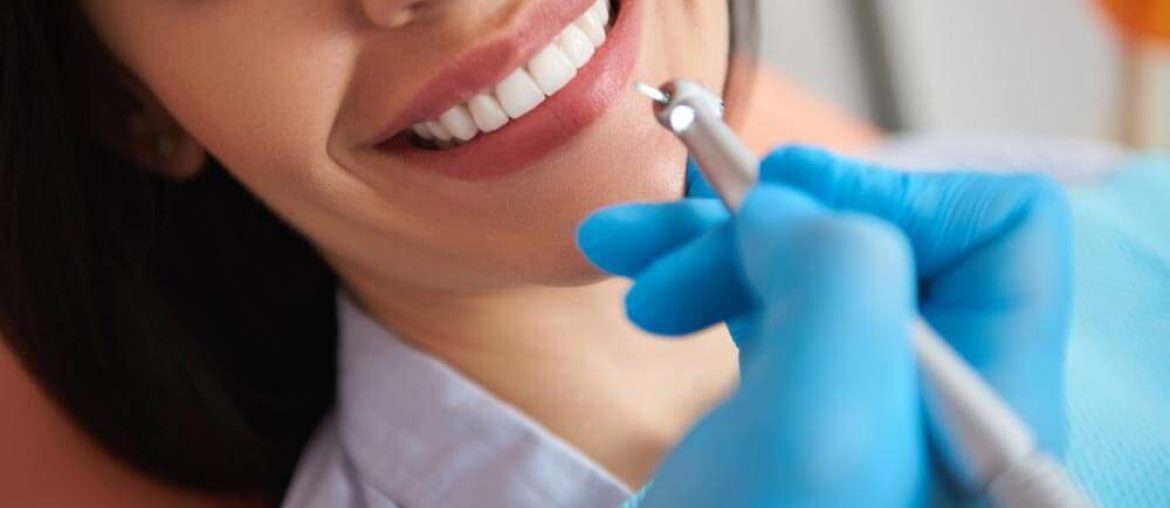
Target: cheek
692,40
260,93
624,158
261,98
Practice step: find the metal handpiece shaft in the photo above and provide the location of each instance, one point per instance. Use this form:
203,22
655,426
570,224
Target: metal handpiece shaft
713,144
696,117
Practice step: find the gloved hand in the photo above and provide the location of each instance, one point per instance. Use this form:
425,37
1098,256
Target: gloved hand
819,277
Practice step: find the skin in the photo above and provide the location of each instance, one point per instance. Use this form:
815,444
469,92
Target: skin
484,275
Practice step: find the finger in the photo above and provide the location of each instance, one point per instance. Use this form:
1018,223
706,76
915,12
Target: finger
994,252
1006,308
826,413
835,347
691,288
799,256
625,239
701,283
945,215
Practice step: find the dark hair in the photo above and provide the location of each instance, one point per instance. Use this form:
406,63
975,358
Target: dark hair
181,324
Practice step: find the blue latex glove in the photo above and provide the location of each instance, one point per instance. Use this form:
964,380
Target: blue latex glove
819,277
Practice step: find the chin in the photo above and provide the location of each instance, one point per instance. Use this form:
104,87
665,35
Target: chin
541,247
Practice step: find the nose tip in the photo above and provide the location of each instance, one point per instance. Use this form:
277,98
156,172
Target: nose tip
392,13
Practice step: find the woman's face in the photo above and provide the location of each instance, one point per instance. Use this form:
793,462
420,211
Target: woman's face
311,103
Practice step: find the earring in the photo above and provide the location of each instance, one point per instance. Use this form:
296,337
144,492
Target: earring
165,146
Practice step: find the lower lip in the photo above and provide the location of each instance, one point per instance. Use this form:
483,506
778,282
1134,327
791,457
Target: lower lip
551,125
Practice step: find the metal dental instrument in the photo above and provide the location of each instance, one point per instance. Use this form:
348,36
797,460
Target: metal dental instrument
988,448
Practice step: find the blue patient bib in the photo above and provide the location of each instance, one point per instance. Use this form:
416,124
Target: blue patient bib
1118,373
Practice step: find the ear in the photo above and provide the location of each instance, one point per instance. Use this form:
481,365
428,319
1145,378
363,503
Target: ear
125,116
151,138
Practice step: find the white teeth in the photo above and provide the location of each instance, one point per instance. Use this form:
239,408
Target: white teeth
439,131
519,94
489,116
524,89
458,122
576,46
593,27
552,69
422,131
601,10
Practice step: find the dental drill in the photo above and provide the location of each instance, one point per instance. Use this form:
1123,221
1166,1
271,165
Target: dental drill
987,447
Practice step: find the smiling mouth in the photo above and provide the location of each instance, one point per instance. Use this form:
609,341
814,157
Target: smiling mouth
524,89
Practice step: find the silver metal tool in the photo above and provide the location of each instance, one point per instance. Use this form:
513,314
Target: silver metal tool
988,448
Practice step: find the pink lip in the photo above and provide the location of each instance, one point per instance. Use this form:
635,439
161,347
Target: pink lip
524,141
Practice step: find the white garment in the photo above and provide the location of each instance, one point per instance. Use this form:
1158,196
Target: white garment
411,432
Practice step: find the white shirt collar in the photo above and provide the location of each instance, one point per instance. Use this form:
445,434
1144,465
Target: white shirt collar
426,436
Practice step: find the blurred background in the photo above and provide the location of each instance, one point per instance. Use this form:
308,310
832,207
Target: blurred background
1055,68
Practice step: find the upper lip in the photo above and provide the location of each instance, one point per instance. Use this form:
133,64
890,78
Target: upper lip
487,64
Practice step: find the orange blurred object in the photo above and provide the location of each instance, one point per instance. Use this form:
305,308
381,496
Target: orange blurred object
1145,19
1144,112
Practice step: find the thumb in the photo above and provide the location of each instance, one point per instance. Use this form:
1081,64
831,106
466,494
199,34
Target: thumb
827,410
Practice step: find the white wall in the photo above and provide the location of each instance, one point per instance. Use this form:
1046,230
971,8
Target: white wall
812,41
1046,66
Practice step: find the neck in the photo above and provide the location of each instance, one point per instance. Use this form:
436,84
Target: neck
569,358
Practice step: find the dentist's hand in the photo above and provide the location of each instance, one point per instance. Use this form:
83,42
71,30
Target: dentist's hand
820,303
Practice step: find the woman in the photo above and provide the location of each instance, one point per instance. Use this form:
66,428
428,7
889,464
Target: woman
201,310
188,331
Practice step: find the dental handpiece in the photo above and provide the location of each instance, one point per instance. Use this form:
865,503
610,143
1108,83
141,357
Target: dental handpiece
986,446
